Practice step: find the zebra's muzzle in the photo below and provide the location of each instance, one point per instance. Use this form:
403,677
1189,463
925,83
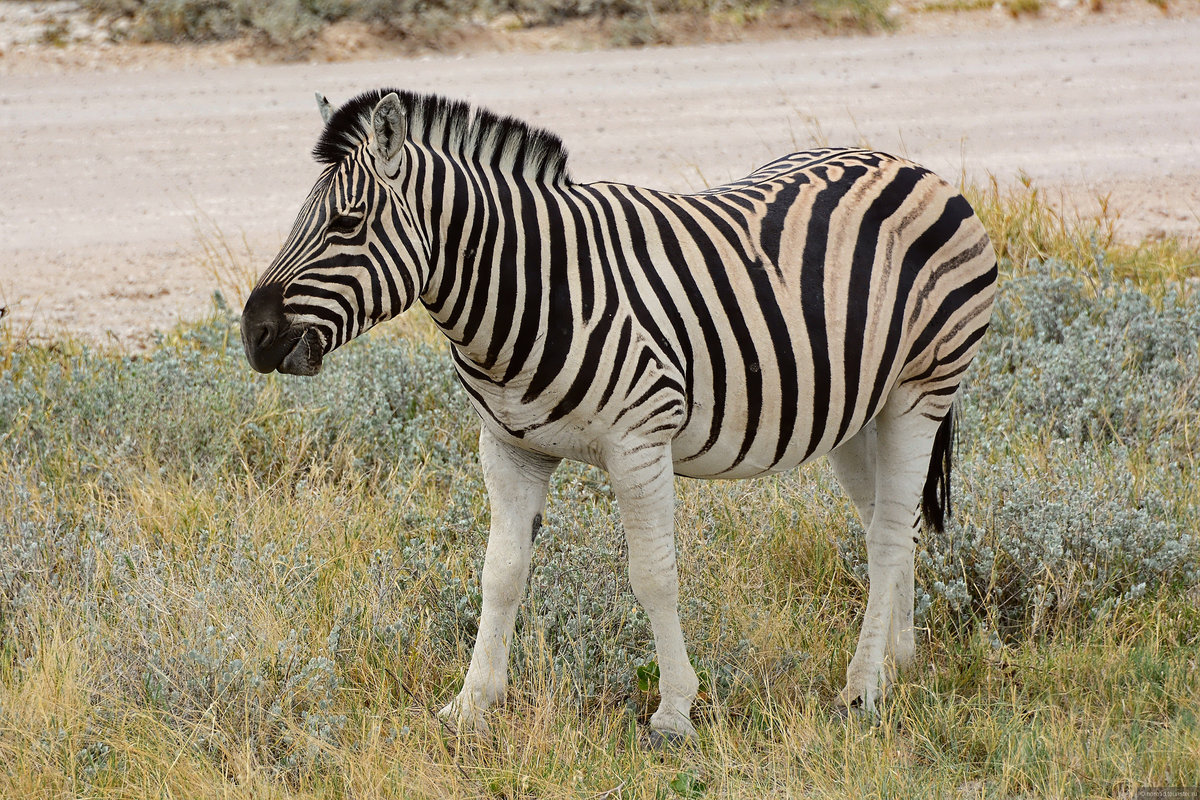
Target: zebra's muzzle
305,356
272,343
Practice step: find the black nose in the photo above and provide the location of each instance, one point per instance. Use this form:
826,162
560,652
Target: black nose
264,327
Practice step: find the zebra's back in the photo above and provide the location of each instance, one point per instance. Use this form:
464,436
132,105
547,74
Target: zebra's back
790,305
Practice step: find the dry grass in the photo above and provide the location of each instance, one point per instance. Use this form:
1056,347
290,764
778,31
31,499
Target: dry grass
233,596
1025,227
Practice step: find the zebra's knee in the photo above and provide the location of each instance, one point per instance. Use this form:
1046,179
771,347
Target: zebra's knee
503,579
655,586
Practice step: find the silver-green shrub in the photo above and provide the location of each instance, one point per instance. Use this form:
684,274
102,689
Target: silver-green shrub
1056,542
1070,361
1077,384
193,408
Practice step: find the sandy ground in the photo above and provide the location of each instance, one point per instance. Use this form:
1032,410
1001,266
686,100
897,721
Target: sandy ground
133,187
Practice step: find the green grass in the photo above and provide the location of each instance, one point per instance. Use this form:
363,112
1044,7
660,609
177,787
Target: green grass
220,584
1027,227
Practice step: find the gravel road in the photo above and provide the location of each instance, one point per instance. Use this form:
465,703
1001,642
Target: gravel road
117,184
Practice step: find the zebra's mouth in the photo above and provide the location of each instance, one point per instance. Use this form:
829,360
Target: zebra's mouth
305,356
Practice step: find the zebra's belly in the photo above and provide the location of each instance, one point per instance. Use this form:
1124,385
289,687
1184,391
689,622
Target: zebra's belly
736,417
738,432
714,465
717,440
729,458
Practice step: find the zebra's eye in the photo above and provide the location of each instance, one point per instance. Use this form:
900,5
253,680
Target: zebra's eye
344,225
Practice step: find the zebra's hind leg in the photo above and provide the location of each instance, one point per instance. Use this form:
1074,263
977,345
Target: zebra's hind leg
517,482
644,482
904,443
854,464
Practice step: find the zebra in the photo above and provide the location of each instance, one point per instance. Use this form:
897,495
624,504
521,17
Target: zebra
826,304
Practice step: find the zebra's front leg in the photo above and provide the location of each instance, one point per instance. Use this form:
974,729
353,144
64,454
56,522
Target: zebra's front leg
886,641
516,482
644,483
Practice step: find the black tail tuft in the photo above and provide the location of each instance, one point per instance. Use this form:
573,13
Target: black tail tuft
935,502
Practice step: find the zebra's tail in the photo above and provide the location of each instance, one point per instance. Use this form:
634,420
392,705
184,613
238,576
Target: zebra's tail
935,502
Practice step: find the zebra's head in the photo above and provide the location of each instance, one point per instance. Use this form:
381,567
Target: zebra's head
356,255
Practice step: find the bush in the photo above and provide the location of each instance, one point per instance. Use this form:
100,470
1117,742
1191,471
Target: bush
288,23
191,408
1077,387
1047,545
1080,363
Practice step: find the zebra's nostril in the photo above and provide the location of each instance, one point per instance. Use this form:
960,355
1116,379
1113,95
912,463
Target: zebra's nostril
266,334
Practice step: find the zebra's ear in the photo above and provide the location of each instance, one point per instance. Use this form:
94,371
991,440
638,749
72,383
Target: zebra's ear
325,108
390,124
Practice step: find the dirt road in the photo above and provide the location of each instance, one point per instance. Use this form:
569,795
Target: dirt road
115,184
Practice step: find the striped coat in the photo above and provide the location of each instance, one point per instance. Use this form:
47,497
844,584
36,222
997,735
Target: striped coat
828,303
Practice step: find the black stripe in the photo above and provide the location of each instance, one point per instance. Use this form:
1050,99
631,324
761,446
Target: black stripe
597,340
453,262
780,341
618,361
774,218
950,358
889,201
693,300
439,170
812,294
950,304
746,353
633,239
477,257
383,251
502,300
559,322
533,318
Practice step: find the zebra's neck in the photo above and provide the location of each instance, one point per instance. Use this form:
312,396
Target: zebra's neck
495,263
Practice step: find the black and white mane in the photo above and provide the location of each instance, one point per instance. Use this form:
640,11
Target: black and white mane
454,127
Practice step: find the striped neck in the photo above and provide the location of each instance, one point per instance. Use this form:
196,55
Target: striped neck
493,257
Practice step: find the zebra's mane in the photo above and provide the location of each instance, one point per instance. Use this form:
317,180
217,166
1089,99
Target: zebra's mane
454,127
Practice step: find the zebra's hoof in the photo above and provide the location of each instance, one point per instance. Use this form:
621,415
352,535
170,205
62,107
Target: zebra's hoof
668,740
459,720
839,711
852,713
865,688
858,705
